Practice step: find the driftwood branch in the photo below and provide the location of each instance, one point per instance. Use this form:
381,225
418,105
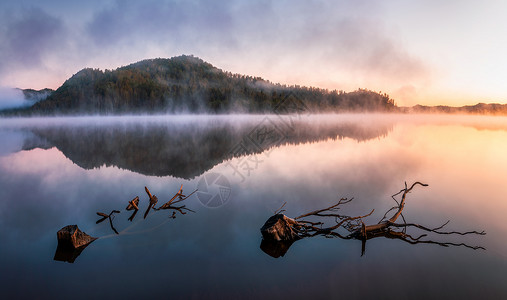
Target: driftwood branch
280,209
177,198
72,241
287,229
326,210
153,201
133,205
110,217
403,197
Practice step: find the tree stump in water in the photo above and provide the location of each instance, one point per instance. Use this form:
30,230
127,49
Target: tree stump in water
279,228
71,236
71,242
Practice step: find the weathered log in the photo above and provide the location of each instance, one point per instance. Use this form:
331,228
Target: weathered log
279,228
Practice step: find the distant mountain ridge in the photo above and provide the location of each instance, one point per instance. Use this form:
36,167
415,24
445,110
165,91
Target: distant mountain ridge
479,109
189,84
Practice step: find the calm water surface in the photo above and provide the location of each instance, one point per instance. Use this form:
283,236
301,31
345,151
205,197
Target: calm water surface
60,171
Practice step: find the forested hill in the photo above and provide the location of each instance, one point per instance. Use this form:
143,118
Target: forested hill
188,84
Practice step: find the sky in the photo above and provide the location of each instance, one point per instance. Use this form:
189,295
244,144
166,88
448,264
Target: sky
419,52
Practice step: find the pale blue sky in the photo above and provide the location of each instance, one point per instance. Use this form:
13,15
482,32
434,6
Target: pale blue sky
450,52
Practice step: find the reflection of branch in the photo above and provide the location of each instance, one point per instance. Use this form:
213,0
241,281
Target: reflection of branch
131,218
281,228
411,240
435,230
110,217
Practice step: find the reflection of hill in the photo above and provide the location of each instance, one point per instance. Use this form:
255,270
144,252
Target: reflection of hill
186,149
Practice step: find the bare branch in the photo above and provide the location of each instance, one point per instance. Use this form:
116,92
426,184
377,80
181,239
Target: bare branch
170,204
403,197
110,217
331,208
284,227
133,204
280,209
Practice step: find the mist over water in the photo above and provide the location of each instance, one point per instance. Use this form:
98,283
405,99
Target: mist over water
60,171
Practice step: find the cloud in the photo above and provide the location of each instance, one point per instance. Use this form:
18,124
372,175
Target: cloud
304,36
27,37
161,22
328,44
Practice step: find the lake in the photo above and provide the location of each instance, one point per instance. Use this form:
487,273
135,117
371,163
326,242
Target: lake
62,171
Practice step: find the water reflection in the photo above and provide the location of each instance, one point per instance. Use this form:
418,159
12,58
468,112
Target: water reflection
217,249
274,248
186,150
67,253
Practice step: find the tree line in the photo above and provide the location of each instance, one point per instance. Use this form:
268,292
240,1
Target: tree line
188,84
